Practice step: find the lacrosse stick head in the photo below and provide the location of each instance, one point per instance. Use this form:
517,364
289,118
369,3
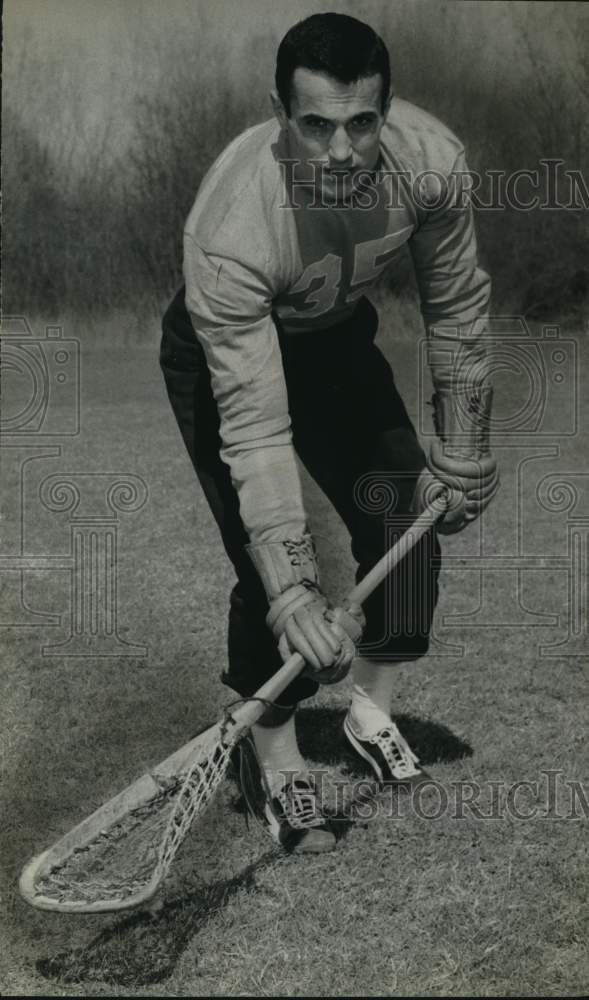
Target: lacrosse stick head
117,857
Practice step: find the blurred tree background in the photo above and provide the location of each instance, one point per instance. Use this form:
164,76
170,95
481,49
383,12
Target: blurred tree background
114,109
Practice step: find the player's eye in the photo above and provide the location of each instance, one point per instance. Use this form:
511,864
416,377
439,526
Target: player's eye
318,125
363,123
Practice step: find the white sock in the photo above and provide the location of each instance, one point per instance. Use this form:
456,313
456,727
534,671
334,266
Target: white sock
278,751
372,692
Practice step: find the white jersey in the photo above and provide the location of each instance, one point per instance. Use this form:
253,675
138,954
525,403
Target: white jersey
255,242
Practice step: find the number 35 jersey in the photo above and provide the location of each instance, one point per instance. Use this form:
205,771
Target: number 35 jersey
259,243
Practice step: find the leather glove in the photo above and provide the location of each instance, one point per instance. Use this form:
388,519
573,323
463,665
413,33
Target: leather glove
300,615
460,459
472,485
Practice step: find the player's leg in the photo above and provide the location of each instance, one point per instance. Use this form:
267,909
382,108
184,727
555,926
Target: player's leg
353,433
253,656
399,613
399,617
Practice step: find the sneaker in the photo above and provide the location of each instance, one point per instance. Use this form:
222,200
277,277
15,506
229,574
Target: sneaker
388,753
292,814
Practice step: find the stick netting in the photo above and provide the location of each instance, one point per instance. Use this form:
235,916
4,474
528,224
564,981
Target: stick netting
137,850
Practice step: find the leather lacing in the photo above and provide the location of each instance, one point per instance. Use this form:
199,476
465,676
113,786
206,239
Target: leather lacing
298,802
296,799
396,751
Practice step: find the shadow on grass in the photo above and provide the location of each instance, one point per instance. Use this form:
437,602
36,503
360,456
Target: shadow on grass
321,738
144,947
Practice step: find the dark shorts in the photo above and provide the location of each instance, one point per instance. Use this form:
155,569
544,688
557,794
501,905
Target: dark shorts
352,433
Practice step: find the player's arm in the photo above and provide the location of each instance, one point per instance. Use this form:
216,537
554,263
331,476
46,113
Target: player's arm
454,295
230,307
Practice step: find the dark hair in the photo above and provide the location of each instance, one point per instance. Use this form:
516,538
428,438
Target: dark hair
335,44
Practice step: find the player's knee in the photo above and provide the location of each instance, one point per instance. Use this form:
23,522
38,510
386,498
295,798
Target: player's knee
395,648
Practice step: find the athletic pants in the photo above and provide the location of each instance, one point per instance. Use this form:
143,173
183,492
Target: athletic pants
353,434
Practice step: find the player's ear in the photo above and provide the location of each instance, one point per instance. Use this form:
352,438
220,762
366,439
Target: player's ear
279,109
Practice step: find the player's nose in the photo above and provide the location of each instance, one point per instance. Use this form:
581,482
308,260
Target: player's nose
340,149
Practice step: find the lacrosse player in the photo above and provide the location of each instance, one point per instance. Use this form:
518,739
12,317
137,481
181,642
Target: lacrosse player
269,350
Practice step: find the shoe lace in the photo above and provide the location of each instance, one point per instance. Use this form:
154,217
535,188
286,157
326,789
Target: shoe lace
396,751
298,801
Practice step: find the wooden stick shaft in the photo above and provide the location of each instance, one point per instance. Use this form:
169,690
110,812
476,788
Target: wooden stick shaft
248,713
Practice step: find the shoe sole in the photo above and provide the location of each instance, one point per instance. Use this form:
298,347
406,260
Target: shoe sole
316,842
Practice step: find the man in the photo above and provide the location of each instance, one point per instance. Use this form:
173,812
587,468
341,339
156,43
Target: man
270,349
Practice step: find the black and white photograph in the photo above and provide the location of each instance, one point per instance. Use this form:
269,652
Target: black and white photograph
294,514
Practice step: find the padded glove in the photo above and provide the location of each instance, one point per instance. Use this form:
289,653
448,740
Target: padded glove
300,615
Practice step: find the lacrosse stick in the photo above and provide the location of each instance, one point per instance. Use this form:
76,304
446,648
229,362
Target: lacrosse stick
118,856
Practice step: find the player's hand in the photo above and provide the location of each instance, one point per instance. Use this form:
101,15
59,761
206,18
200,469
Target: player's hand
471,482
300,615
325,637
348,624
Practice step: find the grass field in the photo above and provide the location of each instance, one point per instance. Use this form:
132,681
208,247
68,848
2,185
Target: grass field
407,905
107,134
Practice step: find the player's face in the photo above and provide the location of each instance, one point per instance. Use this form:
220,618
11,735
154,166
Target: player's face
334,128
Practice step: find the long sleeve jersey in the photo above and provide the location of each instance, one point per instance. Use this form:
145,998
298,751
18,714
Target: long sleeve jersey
256,243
